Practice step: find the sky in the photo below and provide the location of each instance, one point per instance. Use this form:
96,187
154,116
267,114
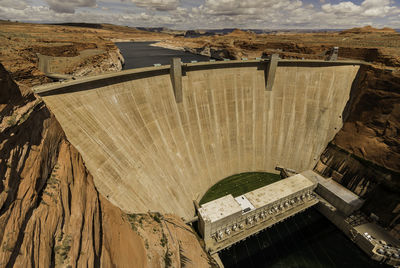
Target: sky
209,14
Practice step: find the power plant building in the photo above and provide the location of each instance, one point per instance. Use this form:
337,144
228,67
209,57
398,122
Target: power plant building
228,220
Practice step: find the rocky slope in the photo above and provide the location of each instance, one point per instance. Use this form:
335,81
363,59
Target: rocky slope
106,62
169,242
365,154
50,211
372,127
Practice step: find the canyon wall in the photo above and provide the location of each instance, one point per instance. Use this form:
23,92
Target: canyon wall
365,155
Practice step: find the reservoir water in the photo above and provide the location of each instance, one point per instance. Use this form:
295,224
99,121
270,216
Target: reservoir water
142,54
307,240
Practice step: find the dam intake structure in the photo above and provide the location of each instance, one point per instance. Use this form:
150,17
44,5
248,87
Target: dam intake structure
149,150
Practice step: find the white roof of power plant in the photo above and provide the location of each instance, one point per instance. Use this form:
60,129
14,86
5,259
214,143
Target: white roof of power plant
278,190
227,205
219,208
244,203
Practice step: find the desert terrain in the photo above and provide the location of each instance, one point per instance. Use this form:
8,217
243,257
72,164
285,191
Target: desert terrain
378,46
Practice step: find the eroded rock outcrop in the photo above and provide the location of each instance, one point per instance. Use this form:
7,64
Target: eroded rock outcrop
169,242
212,52
109,61
372,120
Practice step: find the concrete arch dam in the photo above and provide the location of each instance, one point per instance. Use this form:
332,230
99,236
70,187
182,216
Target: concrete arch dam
148,151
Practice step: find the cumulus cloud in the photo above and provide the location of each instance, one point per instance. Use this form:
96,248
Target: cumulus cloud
295,13
190,14
377,8
161,5
341,8
62,6
246,7
368,8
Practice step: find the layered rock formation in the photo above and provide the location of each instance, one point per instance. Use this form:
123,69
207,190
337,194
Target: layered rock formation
106,62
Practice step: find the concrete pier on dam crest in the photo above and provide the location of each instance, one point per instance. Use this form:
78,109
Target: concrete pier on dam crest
157,138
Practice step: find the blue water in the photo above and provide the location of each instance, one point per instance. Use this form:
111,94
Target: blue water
141,54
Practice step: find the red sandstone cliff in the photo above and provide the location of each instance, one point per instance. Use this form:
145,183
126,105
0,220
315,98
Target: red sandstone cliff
372,128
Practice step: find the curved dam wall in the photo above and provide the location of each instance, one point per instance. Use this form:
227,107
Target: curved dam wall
148,152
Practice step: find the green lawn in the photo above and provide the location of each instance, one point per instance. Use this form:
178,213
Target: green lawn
239,184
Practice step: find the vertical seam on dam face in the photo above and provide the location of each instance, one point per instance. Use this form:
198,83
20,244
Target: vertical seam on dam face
148,151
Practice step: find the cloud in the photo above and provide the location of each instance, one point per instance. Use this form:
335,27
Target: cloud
16,4
341,8
368,8
246,7
62,6
194,14
160,5
378,8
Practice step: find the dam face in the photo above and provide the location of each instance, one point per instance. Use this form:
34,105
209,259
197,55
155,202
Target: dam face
148,152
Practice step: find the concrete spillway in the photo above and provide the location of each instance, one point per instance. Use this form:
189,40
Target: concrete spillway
148,152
